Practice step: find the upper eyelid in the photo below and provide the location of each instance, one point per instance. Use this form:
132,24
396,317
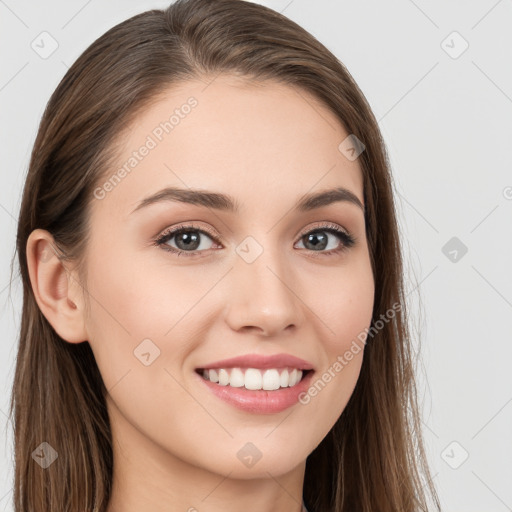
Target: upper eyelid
173,231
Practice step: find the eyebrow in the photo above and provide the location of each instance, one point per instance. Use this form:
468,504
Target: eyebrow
227,203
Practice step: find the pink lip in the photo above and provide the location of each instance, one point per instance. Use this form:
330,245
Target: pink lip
260,361
260,401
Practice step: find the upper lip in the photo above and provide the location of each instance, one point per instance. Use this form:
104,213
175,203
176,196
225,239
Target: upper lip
261,361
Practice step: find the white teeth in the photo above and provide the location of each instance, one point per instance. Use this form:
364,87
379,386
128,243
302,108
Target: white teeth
284,378
213,376
271,380
236,380
254,378
223,377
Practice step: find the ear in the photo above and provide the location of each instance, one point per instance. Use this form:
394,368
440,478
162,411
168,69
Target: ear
56,289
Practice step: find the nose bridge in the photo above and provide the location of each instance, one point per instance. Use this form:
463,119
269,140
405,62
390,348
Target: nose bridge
261,289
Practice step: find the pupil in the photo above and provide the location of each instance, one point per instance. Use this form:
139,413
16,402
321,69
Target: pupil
320,244
190,241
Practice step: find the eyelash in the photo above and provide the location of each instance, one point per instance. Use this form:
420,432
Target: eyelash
347,240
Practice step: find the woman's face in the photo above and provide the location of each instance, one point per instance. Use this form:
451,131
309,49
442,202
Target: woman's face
258,277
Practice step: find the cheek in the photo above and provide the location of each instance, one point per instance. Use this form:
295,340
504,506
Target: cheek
126,305
137,298
133,313
343,300
344,306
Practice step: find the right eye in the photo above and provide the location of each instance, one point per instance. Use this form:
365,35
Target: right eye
188,240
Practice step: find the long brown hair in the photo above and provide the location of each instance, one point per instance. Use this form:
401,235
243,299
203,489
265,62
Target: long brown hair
373,458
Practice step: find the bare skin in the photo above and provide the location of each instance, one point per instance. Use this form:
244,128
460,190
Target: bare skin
176,443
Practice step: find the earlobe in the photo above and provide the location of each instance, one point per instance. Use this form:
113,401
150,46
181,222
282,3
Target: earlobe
55,287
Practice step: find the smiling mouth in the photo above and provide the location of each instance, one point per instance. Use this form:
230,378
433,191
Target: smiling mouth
268,379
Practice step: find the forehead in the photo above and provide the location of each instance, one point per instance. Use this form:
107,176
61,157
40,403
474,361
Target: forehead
263,140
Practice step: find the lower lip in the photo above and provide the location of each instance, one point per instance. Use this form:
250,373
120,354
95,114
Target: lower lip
259,401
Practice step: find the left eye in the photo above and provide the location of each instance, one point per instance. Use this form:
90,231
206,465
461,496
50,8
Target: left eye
318,240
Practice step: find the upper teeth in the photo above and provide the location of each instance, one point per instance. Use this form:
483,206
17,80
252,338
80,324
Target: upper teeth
254,378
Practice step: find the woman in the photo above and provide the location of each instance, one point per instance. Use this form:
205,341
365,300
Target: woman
213,313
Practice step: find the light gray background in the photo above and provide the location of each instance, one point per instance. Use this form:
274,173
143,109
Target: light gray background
447,122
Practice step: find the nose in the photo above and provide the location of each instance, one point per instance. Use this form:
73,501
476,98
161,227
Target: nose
261,296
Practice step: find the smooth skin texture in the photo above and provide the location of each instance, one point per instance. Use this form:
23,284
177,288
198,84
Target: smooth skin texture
175,443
